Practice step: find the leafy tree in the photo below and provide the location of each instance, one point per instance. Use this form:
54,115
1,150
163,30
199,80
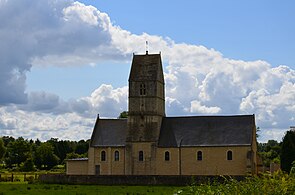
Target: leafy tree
123,114
292,171
28,165
7,140
269,152
2,149
44,157
62,147
82,147
288,151
73,155
17,152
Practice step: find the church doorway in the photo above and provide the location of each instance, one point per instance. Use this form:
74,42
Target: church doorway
97,169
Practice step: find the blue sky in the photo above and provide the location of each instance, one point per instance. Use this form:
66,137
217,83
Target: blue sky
62,62
247,30
250,30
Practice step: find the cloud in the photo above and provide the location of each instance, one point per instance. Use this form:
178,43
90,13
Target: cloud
45,32
14,122
199,80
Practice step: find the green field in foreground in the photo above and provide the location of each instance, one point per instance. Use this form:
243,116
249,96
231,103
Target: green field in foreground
278,183
43,189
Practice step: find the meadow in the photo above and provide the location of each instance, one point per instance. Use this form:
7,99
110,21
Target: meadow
279,183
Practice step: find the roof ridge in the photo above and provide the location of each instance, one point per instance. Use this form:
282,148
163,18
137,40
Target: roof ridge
200,116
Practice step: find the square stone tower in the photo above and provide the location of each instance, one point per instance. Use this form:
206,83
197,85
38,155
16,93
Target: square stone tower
145,113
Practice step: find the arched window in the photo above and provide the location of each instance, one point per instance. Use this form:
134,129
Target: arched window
229,155
167,156
142,89
103,156
199,155
140,156
117,156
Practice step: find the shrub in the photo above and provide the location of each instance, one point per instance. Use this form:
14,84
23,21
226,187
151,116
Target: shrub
279,183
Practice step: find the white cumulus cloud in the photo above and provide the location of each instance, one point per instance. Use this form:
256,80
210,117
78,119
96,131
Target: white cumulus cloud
199,80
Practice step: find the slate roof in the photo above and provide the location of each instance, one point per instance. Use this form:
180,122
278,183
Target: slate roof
182,131
146,67
207,131
109,132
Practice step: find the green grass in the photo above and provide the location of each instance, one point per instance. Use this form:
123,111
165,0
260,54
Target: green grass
278,183
44,189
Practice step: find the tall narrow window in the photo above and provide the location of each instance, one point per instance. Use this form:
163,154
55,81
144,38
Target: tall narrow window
140,156
199,155
103,156
229,155
167,156
117,156
142,89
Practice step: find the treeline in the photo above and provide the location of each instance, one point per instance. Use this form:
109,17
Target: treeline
282,153
28,155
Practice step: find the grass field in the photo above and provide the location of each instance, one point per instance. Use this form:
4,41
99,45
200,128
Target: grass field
278,183
52,189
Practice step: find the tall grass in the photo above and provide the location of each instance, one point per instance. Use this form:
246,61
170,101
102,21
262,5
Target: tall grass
278,183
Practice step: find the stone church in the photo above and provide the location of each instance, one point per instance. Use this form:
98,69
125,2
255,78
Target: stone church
150,143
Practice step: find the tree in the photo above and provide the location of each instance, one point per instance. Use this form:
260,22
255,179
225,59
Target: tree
7,140
28,165
44,157
288,151
269,152
82,147
62,147
2,149
73,155
17,152
123,114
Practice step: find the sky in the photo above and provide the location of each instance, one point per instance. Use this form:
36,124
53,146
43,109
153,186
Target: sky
63,62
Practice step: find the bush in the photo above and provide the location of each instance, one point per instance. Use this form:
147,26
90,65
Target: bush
30,179
279,183
27,166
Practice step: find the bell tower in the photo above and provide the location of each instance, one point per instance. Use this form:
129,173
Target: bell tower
145,112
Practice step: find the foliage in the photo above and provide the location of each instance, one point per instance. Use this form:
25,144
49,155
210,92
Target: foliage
82,147
73,155
61,148
279,183
7,140
123,114
17,152
2,149
44,157
28,165
20,152
288,151
292,171
269,152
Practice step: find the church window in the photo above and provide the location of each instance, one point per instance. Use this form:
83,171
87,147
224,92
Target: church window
199,155
117,156
229,155
167,156
103,156
142,89
140,156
